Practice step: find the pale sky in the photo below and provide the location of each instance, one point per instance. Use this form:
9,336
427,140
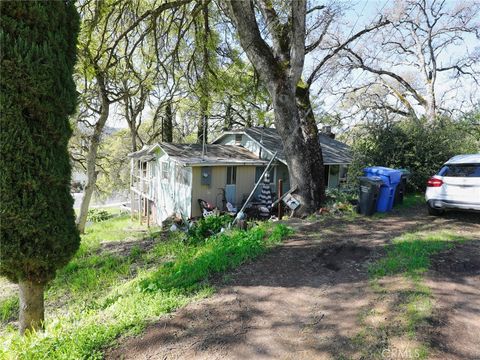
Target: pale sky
360,14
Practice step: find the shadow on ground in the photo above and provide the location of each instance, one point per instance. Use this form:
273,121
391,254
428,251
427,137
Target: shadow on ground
302,300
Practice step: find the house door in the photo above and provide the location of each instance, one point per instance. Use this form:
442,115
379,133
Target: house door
334,176
231,185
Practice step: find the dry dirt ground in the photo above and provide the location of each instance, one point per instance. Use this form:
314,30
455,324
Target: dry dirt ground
303,299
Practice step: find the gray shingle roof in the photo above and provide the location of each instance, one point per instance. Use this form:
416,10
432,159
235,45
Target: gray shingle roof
333,151
215,154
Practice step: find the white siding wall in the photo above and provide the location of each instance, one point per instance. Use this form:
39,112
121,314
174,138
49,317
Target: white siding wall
172,195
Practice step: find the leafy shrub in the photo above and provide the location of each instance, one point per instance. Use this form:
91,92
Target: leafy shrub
417,145
341,195
97,215
206,227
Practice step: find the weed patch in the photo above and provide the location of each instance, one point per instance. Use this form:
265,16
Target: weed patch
410,254
8,308
411,200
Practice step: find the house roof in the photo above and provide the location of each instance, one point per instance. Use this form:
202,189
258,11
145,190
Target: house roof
215,154
333,151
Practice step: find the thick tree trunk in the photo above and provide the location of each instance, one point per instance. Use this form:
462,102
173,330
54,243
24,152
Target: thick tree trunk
431,102
133,136
280,69
202,131
228,122
31,306
92,159
249,122
167,126
296,125
130,122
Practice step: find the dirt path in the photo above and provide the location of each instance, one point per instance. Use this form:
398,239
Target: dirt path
300,301
455,282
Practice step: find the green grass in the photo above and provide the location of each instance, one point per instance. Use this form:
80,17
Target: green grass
409,256
218,254
411,200
8,308
410,253
99,295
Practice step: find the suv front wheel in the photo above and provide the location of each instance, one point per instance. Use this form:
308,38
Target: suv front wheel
433,211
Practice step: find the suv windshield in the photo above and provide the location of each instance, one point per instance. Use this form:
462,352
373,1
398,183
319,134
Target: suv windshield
460,170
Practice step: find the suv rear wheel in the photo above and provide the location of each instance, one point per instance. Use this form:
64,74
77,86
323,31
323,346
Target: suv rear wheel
433,211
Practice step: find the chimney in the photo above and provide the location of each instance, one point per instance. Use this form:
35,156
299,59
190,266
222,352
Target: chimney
327,130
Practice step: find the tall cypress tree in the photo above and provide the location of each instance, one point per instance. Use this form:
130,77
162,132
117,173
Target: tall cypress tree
37,94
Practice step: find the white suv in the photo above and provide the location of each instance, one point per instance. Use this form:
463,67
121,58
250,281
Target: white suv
456,186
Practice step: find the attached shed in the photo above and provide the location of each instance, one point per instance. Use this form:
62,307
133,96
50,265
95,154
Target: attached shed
170,178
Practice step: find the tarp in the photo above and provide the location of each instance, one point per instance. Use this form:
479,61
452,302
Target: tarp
265,197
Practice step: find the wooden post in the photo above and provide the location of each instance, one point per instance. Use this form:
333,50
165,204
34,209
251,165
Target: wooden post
279,191
140,209
132,193
148,212
132,199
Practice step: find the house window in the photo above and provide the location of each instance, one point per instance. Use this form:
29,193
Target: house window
165,170
333,176
181,175
231,175
143,168
238,139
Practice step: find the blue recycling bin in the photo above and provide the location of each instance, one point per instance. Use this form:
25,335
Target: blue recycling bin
391,178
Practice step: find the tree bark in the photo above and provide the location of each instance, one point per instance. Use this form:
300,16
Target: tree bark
228,122
202,131
294,119
31,306
92,157
133,130
299,135
167,126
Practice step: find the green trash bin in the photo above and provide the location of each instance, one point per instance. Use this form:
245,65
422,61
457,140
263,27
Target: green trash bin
401,188
369,190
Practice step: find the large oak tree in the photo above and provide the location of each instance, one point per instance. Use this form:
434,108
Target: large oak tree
274,36
280,66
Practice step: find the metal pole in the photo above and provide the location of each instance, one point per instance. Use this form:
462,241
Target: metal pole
279,191
255,188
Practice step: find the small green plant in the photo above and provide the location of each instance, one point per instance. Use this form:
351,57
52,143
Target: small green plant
207,227
340,201
8,308
341,195
98,215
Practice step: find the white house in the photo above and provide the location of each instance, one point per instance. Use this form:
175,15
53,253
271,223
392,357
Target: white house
169,179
